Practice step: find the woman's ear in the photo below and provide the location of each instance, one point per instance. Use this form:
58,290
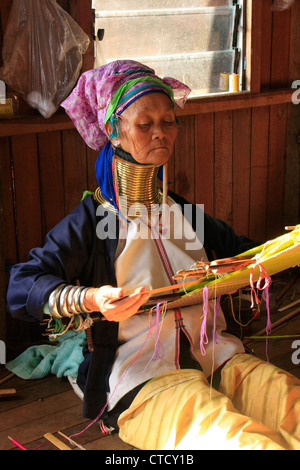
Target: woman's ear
107,128
115,141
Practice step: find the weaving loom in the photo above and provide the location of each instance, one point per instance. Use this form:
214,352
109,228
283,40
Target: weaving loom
251,268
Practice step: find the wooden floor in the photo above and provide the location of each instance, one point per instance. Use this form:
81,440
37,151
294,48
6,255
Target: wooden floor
50,405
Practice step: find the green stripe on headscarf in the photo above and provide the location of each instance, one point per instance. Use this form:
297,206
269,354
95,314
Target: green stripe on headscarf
118,95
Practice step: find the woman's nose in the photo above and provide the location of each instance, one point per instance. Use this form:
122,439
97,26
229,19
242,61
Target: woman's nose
158,131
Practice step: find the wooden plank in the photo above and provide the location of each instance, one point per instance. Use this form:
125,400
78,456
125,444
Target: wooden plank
29,391
266,44
205,104
280,49
27,194
5,7
8,203
294,56
51,177
34,428
253,44
91,157
75,170
184,159
223,166
259,173
2,266
235,101
81,11
292,169
276,167
291,207
204,161
39,409
241,170
35,124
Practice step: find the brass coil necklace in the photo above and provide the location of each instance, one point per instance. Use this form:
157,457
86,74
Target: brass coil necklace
137,190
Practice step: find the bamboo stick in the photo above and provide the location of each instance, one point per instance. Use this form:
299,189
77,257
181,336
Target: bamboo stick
71,441
7,391
6,378
172,287
60,445
275,324
287,287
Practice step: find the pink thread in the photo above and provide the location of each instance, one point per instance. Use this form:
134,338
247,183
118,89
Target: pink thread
253,291
263,276
265,295
103,428
203,332
124,374
267,300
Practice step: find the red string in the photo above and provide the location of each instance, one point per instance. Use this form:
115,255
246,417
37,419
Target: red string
121,379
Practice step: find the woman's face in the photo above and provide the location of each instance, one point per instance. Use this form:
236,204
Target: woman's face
148,129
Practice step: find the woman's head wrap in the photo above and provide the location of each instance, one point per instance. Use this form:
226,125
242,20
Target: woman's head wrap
100,93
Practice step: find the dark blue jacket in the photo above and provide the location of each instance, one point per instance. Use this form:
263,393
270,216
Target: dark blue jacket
73,252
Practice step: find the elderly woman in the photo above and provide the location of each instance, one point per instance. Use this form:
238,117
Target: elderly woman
148,373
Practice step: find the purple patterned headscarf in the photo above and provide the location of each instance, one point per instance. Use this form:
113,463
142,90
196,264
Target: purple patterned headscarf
88,103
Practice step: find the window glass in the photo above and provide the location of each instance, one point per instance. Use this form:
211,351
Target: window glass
199,44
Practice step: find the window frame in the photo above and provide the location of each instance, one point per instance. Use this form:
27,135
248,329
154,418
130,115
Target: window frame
250,56
237,46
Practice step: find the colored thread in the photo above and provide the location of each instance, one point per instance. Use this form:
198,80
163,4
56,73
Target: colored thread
158,344
269,324
216,310
265,295
267,301
104,429
234,317
214,335
113,392
203,332
178,320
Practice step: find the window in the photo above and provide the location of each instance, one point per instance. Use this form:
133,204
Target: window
200,42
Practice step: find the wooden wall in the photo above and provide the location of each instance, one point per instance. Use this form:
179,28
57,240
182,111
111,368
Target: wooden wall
238,156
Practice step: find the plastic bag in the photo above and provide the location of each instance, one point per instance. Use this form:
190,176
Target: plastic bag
281,5
42,53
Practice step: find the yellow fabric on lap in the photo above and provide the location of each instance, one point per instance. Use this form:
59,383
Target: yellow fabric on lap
179,410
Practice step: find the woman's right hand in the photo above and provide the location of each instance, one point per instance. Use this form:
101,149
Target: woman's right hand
110,302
